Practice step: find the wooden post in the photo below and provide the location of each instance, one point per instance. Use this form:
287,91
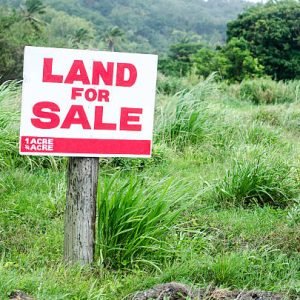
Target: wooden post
80,214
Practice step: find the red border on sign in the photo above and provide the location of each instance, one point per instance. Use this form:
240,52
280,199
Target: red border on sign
87,146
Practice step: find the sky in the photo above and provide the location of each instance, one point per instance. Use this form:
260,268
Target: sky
256,0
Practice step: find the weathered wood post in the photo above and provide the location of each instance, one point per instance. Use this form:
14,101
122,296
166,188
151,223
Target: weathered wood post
80,214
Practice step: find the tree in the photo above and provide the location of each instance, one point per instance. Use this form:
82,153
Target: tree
17,29
149,24
233,62
30,10
208,61
9,52
241,64
179,61
81,37
112,37
272,32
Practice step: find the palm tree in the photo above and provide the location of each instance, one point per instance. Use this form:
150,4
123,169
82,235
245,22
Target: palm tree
112,36
81,36
30,9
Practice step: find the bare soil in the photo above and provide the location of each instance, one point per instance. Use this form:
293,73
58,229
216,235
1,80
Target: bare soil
178,291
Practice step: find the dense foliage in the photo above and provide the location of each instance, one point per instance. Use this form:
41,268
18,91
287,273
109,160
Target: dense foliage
264,40
133,26
17,28
272,32
153,25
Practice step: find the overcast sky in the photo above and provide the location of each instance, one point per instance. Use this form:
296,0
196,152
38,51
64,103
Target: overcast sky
256,0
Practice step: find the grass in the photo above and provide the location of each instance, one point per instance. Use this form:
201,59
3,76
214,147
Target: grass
135,218
267,91
186,119
218,203
262,180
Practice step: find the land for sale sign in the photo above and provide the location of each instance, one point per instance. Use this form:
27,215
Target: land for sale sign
87,103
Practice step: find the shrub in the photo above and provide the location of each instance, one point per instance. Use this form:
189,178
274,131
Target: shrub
268,116
262,181
267,91
134,219
171,85
291,119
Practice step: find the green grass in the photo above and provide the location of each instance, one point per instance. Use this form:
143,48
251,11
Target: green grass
135,217
218,203
263,180
267,91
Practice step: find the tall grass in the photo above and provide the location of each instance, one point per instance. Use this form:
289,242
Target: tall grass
294,214
171,85
267,91
135,217
10,157
266,180
9,104
185,118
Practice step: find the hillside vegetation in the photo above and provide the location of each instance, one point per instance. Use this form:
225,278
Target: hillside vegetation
128,26
262,41
217,204
151,25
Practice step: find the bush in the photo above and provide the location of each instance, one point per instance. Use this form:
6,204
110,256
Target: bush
270,115
267,91
262,181
171,85
134,219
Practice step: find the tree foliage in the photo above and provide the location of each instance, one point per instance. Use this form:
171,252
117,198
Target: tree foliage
112,36
263,39
149,25
241,63
273,35
208,60
32,23
179,61
233,61
17,30
30,11
121,25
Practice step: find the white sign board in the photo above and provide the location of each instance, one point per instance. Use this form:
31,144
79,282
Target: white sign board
87,103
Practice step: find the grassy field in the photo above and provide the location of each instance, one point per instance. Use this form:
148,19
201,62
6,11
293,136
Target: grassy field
217,204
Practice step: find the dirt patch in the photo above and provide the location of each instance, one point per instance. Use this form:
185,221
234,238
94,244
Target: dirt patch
19,295
178,291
